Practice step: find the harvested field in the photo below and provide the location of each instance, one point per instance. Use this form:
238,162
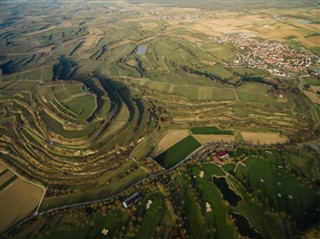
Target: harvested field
265,27
41,31
148,25
91,40
170,139
120,121
263,138
2,168
207,138
18,200
6,176
312,96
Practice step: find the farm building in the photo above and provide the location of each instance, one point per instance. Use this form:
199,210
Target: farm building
132,199
222,155
215,158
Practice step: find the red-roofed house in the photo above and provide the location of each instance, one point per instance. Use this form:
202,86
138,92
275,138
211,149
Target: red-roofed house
222,154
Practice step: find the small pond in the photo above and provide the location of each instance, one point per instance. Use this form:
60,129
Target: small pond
228,194
141,49
244,227
304,21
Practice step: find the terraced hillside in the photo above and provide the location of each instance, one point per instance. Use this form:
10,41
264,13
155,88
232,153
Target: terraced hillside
63,132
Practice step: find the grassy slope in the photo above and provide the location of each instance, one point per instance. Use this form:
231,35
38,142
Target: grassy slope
210,130
177,152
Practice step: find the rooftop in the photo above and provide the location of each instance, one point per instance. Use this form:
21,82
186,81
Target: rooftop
132,199
222,154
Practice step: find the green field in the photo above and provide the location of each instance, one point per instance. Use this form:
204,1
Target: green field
258,180
89,221
254,88
177,152
312,80
279,189
156,215
76,100
210,130
218,218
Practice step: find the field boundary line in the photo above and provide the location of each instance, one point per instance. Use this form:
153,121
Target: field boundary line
235,94
23,178
33,183
28,181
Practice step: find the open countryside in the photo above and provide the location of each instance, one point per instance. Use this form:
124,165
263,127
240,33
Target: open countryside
156,119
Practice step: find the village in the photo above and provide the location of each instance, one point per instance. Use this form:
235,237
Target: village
155,15
275,57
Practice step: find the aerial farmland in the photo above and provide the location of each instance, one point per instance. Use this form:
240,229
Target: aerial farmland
144,119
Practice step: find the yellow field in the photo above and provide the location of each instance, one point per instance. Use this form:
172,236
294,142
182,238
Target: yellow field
261,25
263,138
120,121
170,139
208,138
18,200
5,177
2,168
148,25
314,97
95,35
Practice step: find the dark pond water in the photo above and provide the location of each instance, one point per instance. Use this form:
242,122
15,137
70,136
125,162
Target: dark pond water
244,227
228,194
9,68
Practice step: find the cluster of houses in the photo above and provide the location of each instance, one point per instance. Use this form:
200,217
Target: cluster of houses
279,59
280,18
111,9
155,15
